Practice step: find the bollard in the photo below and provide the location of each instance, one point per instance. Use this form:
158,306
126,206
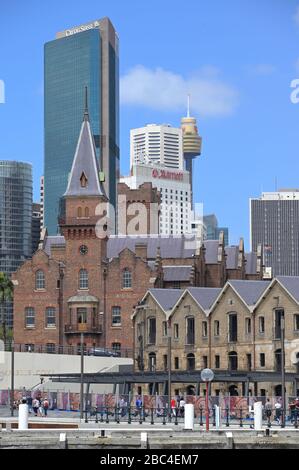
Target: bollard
214,415
189,417
62,441
107,415
258,416
227,417
241,417
23,416
143,440
218,416
200,417
129,415
176,417
152,416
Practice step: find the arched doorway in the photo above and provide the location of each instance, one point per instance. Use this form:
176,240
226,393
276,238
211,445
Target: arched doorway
190,390
233,360
233,390
190,361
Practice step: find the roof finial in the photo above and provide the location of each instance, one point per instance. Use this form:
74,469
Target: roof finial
86,115
188,106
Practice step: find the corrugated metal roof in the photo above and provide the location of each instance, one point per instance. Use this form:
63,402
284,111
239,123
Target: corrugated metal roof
249,291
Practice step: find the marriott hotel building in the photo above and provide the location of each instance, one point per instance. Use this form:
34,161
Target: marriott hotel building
174,186
79,57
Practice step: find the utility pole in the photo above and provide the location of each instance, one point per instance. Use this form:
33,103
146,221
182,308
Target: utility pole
12,391
169,364
81,378
283,396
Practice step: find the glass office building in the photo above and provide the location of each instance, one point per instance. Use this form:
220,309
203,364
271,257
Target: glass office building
15,219
85,56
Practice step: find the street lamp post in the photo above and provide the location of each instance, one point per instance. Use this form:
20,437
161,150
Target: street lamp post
81,378
207,376
283,396
169,365
12,391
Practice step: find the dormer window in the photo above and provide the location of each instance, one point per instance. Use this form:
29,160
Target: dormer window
83,180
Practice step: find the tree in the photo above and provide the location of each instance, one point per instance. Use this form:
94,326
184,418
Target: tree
6,295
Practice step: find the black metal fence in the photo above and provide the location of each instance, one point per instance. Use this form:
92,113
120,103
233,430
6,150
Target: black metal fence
141,415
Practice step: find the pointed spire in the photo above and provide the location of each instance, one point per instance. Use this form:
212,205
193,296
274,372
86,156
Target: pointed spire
84,176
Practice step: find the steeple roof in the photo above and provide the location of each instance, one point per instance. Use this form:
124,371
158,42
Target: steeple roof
84,177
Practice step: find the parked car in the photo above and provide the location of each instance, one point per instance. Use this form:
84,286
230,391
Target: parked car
103,352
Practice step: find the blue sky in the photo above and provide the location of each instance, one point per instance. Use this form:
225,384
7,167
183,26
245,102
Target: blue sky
237,59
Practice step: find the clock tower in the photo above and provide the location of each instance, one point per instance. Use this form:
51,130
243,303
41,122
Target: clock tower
83,271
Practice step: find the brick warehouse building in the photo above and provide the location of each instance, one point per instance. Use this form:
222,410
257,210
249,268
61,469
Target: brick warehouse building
80,282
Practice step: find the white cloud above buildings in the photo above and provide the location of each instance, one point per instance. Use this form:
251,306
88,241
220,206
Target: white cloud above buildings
164,90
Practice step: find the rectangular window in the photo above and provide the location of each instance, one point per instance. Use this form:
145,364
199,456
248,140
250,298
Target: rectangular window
81,315
217,362
248,357
176,363
165,361
164,328
233,327
248,326
261,325
216,328
176,285
116,347
50,317
152,331
176,331
29,347
190,330
205,362
204,329
262,360
296,322
116,316
29,317
279,314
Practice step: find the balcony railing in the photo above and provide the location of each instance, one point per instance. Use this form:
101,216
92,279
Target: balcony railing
78,328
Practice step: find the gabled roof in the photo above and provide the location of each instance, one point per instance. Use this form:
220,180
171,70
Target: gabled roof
249,291
85,165
177,273
291,284
204,296
166,298
57,240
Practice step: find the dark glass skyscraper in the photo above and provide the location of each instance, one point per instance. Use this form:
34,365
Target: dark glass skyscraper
83,56
15,221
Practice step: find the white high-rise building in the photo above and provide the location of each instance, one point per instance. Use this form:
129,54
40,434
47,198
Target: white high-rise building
158,144
174,186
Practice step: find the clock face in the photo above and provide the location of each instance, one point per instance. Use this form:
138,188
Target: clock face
83,249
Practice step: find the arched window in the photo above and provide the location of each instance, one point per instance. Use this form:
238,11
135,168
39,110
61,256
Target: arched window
233,361
127,279
86,212
40,279
83,279
190,361
79,211
152,362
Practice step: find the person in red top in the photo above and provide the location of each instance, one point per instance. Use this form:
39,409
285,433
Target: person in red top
173,405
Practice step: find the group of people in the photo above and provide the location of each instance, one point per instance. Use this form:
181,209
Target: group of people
293,406
39,406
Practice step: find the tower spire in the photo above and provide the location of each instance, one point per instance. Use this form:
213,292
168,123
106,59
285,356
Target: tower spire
86,114
188,105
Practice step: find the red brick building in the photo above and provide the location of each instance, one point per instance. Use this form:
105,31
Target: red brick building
87,281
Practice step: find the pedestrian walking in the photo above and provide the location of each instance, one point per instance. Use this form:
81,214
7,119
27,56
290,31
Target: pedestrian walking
278,410
35,406
29,403
45,406
268,411
182,407
173,406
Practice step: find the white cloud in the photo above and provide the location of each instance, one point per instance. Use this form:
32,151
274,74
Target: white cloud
164,90
262,69
296,16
